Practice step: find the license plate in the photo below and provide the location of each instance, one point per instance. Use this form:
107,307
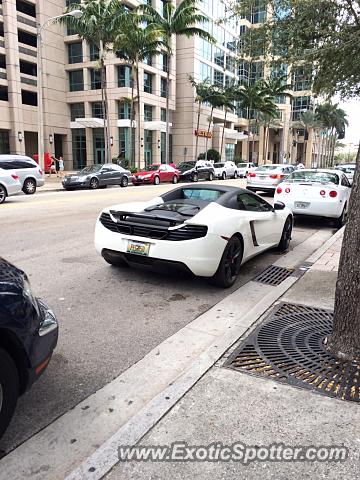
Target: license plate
301,204
139,248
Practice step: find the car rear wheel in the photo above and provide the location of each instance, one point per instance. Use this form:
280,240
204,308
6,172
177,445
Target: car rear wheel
9,389
286,235
223,176
230,264
3,194
211,177
235,175
195,177
124,181
340,222
94,183
175,179
29,186
156,180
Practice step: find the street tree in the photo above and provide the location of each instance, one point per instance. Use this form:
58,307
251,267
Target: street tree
324,34
100,21
185,19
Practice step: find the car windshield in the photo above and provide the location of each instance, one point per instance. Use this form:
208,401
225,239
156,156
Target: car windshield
91,169
313,177
151,168
186,166
219,165
202,194
186,209
347,169
242,165
268,167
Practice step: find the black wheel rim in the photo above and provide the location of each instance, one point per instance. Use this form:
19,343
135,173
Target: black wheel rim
232,261
93,184
125,182
2,195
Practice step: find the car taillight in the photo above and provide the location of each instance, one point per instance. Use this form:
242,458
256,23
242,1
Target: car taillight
287,190
273,176
333,194
280,176
322,193
40,171
15,177
252,174
279,190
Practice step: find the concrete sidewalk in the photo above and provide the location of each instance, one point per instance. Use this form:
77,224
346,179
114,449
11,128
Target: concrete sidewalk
226,406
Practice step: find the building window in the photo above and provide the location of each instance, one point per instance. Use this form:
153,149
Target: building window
300,105
148,147
95,79
230,64
75,52
76,80
124,76
94,52
219,57
205,72
124,142
26,7
28,68
204,48
29,98
2,61
4,96
77,110
98,145
229,152
27,38
148,61
4,142
256,72
258,12
301,78
243,71
97,110
79,148
124,110
218,78
148,113
163,84
1,29
164,62
163,114
148,81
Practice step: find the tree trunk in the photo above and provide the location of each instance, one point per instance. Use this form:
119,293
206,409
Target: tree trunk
222,137
167,135
197,129
138,115
208,132
344,341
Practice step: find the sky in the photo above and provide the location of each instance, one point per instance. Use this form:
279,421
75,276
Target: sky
352,108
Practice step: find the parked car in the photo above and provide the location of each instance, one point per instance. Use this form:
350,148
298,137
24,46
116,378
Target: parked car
156,174
267,177
28,337
97,176
9,185
30,174
194,171
209,231
323,193
225,170
244,168
349,170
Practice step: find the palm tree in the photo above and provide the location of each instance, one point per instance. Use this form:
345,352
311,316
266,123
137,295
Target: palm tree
98,25
228,103
309,121
203,93
135,43
267,121
175,20
216,100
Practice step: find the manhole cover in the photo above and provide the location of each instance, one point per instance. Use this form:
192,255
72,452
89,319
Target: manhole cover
273,275
288,347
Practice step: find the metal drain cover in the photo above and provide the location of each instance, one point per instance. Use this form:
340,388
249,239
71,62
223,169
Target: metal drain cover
273,275
288,347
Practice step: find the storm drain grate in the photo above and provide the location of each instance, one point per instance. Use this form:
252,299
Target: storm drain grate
288,347
273,275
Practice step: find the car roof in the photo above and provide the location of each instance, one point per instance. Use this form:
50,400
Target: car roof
16,157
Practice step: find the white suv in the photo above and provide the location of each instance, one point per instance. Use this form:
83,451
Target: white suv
9,185
225,170
30,174
244,168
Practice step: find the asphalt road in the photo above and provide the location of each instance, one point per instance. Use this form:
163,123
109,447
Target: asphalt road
109,318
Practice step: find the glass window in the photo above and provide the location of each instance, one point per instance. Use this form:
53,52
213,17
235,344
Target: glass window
148,61
95,79
164,62
27,38
75,52
163,84
219,57
299,105
204,48
94,52
148,147
163,114
4,142
77,110
97,110
148,81
218,78
258,11
243,71
124,110
205,71
124,76
29,98
76,80
124,142
98,145
229,152
28,68
148,113
4,96
313,176
301,78
256,71
252,203
79,148
26,7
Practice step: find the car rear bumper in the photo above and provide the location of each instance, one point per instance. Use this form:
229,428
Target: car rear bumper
40,182
200,255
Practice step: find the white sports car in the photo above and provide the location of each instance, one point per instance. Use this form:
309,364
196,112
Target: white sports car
320,193
207,230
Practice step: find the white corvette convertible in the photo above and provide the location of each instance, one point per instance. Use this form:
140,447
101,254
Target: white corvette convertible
207,230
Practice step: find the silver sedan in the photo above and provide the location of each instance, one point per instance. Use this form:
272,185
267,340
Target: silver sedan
267,177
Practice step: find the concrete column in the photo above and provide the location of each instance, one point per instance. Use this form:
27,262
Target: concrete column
89,146
261,144
309,149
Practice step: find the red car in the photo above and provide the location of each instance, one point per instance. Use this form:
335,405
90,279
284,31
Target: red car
156,174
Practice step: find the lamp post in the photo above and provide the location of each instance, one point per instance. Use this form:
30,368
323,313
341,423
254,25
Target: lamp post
40,28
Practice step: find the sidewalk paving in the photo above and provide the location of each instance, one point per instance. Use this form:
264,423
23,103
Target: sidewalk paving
226,406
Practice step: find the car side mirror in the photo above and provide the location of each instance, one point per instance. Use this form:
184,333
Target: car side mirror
279,206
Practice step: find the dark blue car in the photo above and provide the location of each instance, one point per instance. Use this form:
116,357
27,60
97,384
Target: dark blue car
28,336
